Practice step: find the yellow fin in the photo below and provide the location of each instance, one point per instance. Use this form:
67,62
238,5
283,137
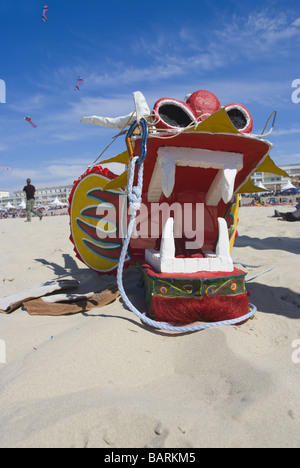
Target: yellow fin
269,166
122,158
119,182
249,187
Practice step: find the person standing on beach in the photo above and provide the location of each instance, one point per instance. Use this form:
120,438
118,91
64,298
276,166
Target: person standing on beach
30,193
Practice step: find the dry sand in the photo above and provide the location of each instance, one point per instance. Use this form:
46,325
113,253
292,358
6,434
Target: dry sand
102,379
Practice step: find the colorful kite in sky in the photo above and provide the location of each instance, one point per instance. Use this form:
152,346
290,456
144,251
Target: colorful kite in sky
79,80
7,169
30,121
44,17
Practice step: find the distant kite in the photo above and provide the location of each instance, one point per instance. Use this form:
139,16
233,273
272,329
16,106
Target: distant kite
7,169
30,121
44,17
79,80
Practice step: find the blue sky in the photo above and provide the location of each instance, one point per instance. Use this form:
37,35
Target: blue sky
243,51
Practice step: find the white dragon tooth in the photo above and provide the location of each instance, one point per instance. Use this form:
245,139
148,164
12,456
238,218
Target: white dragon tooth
168,168
229,176
167,247
214,193
223,244
165,261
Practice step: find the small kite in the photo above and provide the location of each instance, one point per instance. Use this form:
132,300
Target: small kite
7,169
79,80
44,17
30,121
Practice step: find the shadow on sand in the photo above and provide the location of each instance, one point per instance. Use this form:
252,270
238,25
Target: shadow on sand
270,300
269,243
88,279
274,300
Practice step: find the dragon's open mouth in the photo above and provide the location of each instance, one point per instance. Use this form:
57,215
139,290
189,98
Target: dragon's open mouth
191,181
220,169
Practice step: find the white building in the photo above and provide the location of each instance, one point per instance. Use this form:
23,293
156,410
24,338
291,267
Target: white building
294,172
274,182
46,195
43,196
4,194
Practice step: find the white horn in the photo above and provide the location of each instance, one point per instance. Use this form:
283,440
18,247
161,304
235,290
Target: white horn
167,247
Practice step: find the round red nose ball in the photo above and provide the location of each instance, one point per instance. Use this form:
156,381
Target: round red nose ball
203,104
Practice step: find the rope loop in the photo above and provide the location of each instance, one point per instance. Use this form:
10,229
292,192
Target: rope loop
135,192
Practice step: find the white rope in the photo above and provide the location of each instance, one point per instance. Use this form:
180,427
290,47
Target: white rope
253,266
258,274
135,199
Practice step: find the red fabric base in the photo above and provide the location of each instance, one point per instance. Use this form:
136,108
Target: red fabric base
204,309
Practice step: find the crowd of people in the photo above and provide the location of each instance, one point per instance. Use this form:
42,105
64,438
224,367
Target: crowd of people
21,213
268,199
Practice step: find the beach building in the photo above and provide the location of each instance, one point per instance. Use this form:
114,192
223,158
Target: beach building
44,196
5,199
4,194
274,182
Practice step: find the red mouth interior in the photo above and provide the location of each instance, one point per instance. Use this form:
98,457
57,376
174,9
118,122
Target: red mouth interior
191,186
193,183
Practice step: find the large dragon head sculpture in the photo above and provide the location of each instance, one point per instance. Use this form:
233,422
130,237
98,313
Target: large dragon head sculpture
197,157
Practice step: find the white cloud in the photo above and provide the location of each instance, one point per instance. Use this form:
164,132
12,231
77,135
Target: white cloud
287,158
28,104
112,105
187,52
289,131
296,22
262,35
51,175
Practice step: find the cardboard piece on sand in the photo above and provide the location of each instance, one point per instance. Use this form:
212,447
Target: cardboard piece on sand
73,305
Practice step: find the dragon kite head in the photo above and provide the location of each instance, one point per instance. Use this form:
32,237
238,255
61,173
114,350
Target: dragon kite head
197,157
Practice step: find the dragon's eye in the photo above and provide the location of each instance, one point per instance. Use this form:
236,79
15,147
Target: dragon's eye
240,117
173,113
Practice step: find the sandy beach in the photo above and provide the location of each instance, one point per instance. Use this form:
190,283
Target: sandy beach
103,379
